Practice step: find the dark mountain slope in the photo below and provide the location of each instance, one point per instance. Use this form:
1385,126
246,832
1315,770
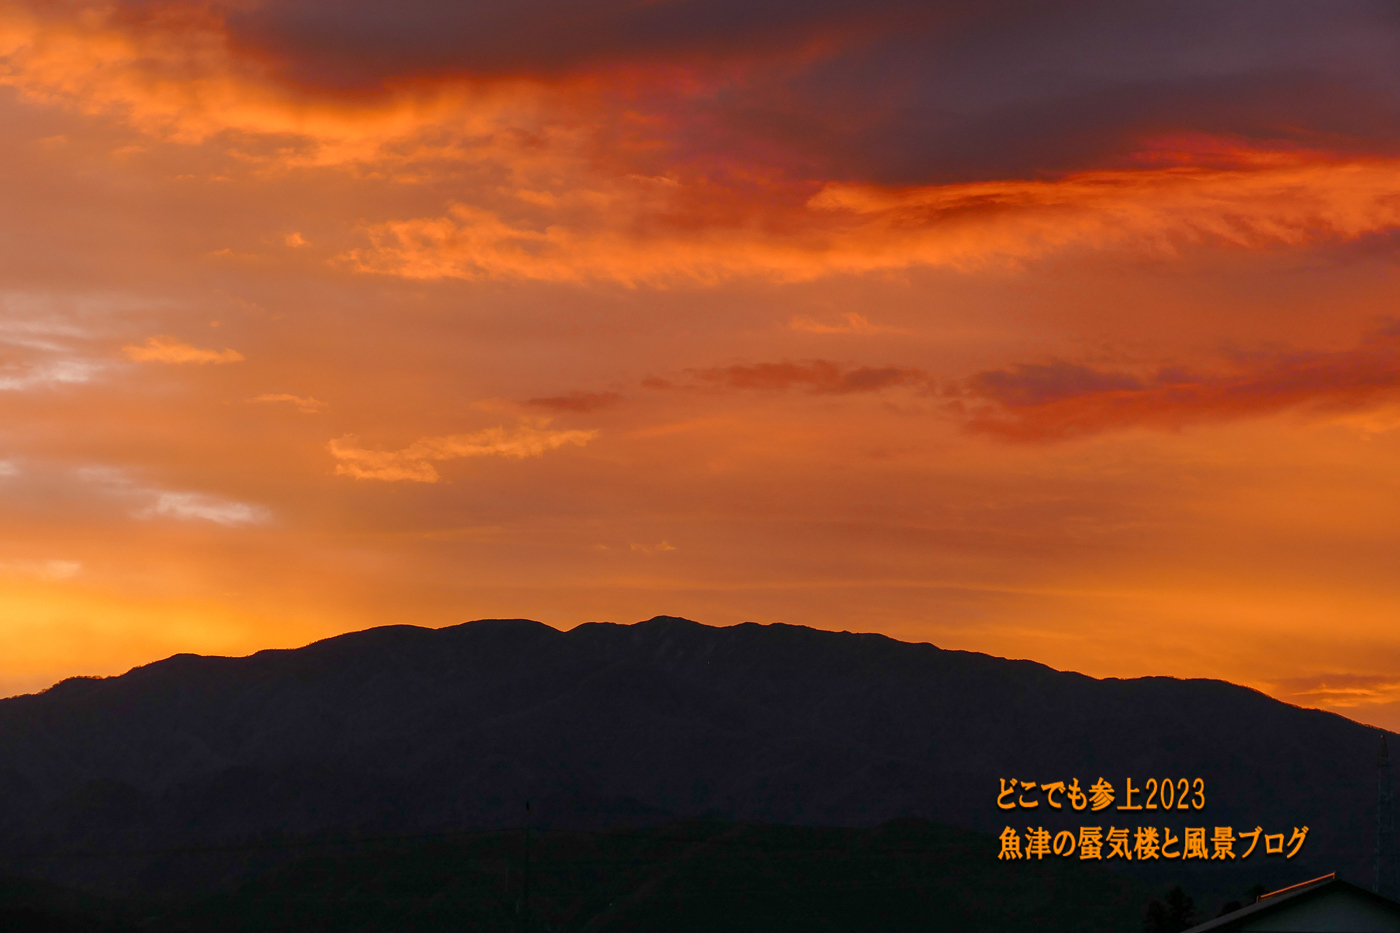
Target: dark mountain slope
401,729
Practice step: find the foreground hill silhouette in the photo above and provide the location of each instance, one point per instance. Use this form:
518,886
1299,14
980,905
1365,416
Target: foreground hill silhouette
408,730
907,875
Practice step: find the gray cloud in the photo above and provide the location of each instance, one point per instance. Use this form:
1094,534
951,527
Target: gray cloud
895,91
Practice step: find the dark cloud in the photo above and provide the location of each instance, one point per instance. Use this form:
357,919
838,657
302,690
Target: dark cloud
1059,88
1061,400
356,43
577,401
820,376
1036,384
891,91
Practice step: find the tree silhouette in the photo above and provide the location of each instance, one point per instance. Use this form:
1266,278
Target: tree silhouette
1177,914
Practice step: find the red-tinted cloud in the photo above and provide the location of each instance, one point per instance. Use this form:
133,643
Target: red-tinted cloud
648,166
661,230
890,92
820,376
362,43
1062,400
1038,384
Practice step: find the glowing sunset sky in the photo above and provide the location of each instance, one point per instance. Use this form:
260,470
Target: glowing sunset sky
1063,331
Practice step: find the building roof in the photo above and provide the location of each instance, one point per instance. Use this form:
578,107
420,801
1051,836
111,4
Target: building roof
1322,904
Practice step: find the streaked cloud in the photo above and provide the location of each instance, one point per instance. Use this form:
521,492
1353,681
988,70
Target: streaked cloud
153,503
43,348
854,324
415,462
166,349
176,77
1339,690
18,378
39,334
51,570
306,405
191,506
1031,384
819,376
1267,198
1046,402
1270,199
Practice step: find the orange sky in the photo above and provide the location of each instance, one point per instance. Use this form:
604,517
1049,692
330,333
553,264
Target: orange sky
1071,337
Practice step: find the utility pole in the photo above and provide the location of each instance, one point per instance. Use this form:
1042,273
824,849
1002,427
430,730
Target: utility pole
1385,826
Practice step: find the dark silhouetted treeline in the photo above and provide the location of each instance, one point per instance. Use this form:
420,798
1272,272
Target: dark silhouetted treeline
693,876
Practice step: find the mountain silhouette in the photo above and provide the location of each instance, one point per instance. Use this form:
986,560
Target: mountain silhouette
404,730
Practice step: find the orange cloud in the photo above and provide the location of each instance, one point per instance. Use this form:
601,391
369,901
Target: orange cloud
590,182
1062,400
855,324
821,376
173,73
1288,199
166,349
1339,690
414,463
42,569
305,405
1275,199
